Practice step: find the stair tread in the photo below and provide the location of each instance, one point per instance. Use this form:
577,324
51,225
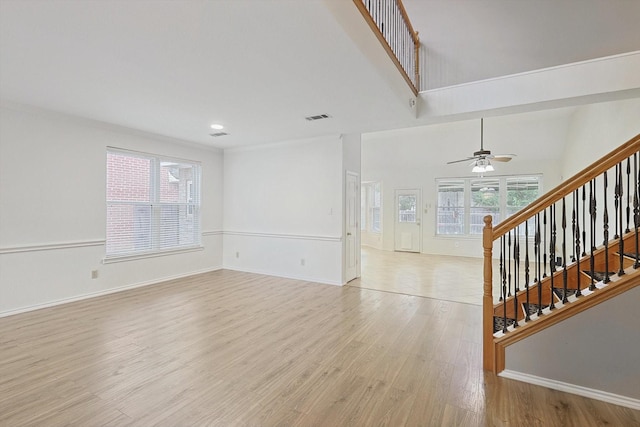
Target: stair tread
533,308
498,323
598,275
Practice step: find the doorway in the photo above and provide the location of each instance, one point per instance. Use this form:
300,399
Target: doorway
352,244
407,229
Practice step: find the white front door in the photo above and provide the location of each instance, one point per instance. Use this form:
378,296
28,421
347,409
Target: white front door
408,218
352,249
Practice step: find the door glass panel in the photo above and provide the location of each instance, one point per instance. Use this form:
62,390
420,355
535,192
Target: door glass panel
407,208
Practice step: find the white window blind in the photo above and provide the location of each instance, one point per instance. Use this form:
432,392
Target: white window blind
153,204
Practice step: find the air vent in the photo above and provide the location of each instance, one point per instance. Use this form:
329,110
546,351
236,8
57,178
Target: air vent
217,134
318,117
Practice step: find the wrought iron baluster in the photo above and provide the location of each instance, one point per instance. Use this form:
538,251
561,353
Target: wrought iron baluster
552,304
605,219
616,194
564,251
584,221
577,238
621,241
627,230
516,257
535,249
504,289
504,270
592,231
544,243
636,207
509,262
501,266
537,244
573,225
526,267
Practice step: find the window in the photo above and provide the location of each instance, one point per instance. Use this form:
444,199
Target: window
451,206
370,207
464,202
153,204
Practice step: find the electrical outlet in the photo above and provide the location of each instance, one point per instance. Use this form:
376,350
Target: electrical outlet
237,254
94,274
302,261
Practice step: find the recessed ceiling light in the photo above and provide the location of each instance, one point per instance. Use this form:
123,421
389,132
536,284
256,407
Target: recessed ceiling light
217,126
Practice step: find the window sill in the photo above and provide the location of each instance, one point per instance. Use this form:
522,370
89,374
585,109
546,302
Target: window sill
133,257
459,236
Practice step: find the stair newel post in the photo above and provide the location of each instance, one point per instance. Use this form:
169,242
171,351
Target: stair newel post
605,219
564,252
592,216
621,241
577,237
636,207
616,195
516,262
544,244
627,230
552,304
487,296
584,221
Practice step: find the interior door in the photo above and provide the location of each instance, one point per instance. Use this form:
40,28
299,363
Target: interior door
407,230
352,248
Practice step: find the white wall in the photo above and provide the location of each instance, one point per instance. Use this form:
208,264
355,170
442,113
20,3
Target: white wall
597,349
596,130
415,157
53,212
284,203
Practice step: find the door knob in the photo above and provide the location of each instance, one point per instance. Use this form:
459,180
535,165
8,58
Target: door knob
348,234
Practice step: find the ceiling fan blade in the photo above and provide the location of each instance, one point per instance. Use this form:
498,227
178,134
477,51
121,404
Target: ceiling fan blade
461,160
503,157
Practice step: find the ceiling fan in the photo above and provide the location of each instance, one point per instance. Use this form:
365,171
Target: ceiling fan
481,159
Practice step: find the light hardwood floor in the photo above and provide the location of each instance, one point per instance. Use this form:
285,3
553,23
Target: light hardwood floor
433,276
238,349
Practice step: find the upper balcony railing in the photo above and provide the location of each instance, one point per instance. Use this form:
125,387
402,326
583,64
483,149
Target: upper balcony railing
390,22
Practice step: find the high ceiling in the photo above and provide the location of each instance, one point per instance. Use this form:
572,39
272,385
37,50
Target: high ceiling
470,40
261,66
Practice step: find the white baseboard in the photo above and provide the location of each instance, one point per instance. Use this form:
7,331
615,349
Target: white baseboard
604,396
285,276
104,292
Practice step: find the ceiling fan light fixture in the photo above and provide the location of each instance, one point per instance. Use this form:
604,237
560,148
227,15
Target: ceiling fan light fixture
477,168
482,166
488,167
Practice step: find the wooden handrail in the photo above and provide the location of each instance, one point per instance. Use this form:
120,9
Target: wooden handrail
584,176
405,17
493,348
412,80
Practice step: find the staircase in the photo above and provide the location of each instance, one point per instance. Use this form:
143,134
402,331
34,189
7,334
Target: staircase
573,248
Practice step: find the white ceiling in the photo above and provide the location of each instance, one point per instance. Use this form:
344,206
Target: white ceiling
261,66
471,40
